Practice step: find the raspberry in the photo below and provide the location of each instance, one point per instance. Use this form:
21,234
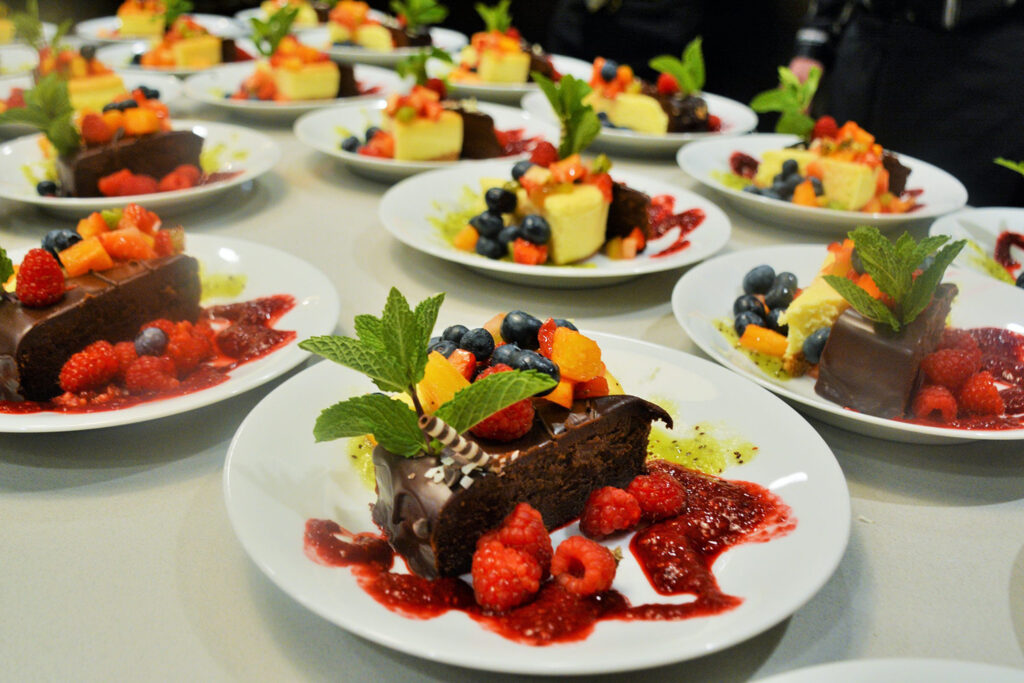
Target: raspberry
509,423
608,510
582,566
1013,400
825,127
166,326
163,243
438,86
957,339
524,530
578,357
546,337
150,374
126,355
90,369
139,184
95,130
544,154
659,495
40,280
503,577
667,84
980,396
951,367
933,398
527,253
188,347
134,216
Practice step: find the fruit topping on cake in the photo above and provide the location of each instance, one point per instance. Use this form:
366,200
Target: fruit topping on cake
108,315
308,14
499,54
351,24
141,19
187,44
673,105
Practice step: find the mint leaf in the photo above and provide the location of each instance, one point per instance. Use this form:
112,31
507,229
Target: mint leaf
28,27
419,13
795,123
370,331
392,423
483,398
791,99
407,343
7,268
375,363
267,35
878,255
426,317
48,108
869,307
495,18
579,122
921,290
174,9
1017,166
688,72
415,65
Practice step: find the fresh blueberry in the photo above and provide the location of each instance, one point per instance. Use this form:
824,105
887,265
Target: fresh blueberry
855,261
60,239
747,318
500,200
88,52
370,132
149,93
351,144
47,188
521,168
445,347
531,360
150,342
786,279
609,71
505,354
759,280
112,106
752,189
434,341
1020,280
770,193
602,116
535,229
125,105
815,344
508,234
137,58
453,333
773,321
479,342
520,328
488,224
562,322
790,167
819,189
491,248
779,296
749,302
784,188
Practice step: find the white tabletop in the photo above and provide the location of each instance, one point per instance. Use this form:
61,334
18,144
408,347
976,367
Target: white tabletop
117,561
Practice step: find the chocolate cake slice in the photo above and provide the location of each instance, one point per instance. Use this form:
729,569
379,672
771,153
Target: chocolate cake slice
154,155
479,140
866,367
686,113
567,454
629,209
347,85
111,305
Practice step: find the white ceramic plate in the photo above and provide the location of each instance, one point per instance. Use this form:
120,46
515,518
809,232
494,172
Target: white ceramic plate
17,59
983,227
268,272
214,85
405,208
325,129
507,93
119,56
446,39
105,28
240,150
706,293
270,497
737,119
169,87
900,671
941,192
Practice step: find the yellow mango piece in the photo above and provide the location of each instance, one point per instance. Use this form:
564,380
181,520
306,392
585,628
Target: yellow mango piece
440,382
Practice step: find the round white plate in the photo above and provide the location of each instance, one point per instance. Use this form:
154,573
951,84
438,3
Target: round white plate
213,85
325,129
240,149
706,293
982,226
405,208
446,39
268,272
105,29
900,671
270,497
737,119
17,59
941,193
507,93
119,56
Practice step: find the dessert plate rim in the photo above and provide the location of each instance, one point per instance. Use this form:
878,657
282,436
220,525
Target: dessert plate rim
408,221
92,29
269,498
698,159
705,293
888,670
982,225
268,271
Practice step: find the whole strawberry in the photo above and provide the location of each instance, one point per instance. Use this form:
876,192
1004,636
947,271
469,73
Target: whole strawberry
40,279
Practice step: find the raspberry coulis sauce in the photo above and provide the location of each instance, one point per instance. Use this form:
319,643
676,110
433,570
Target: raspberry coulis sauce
662,219
245,333
675,554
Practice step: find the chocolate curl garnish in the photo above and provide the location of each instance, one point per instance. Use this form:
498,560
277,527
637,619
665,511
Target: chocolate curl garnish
465,456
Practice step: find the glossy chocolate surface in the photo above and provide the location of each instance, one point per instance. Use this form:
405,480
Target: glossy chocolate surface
479,141
628,210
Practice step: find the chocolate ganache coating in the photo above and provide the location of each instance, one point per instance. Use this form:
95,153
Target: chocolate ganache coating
479,139
864,366
629,209
111,305
568,453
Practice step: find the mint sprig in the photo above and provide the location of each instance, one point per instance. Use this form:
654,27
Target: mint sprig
496,18
415,65
174,9
6,267
580,124
791,99
892,267
1017,166
267,35
29,28
48,108
392,423
689,71
483,398
419,13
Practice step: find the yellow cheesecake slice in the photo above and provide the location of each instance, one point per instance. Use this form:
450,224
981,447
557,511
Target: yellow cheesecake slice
578,216
197,52
93,92
818,305
634,111
314,81
772,160
6,31
847,184
423,139
374,37
141,19
496,66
